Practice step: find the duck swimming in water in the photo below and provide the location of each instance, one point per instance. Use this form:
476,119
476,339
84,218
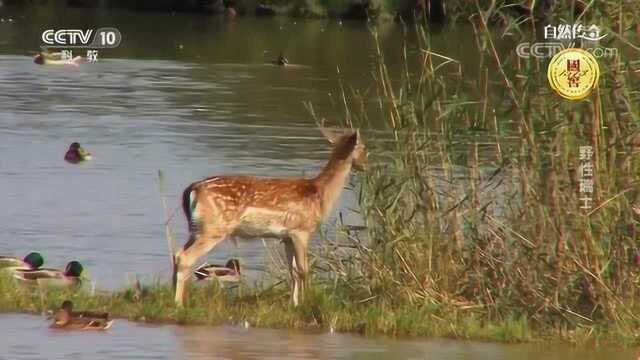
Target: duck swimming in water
281,61
30,262
52,277
227,273
76,154
66,318
57,59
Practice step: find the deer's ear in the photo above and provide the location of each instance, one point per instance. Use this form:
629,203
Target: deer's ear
345,146
352,141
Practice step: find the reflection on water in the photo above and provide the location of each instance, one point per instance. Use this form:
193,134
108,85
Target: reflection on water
32,339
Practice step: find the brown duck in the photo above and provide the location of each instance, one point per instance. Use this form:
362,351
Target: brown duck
66,318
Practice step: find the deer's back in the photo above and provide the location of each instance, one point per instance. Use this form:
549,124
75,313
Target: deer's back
257,207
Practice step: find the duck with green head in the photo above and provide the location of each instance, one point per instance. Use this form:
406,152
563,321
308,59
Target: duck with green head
52,277
30,262
76,154
66,318
281,61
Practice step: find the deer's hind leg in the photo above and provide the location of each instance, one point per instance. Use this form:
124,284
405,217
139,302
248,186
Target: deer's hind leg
199,244
293,269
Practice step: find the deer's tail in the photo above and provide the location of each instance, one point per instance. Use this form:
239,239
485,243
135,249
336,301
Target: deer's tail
189,204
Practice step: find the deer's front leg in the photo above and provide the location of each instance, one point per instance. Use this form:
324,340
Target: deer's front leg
300,243
197,246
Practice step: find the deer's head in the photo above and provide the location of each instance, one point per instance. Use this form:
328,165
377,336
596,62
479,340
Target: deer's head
348,145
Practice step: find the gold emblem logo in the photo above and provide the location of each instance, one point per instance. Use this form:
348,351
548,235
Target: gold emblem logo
573,73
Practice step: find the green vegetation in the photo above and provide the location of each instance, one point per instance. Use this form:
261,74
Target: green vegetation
485,220
326,307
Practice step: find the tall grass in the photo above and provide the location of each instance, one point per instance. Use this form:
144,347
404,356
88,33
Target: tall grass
491,227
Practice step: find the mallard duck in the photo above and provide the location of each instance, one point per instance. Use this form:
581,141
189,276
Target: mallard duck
52,277
76,154
57,59
281,61
66,318
30,262
227,273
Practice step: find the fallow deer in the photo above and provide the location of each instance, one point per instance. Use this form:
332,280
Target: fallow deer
288,209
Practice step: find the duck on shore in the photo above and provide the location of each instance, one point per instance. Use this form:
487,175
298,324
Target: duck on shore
66,318
30,262
230,272
52,277
76,154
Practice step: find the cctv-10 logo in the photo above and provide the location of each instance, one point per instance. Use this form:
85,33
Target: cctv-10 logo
101,38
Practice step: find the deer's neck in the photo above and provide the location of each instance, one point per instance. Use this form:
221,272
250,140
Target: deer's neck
331,181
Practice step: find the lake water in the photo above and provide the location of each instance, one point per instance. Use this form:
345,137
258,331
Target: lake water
212,108
190,95
31,339
146,107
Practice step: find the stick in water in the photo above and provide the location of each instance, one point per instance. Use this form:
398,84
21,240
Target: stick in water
167,229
